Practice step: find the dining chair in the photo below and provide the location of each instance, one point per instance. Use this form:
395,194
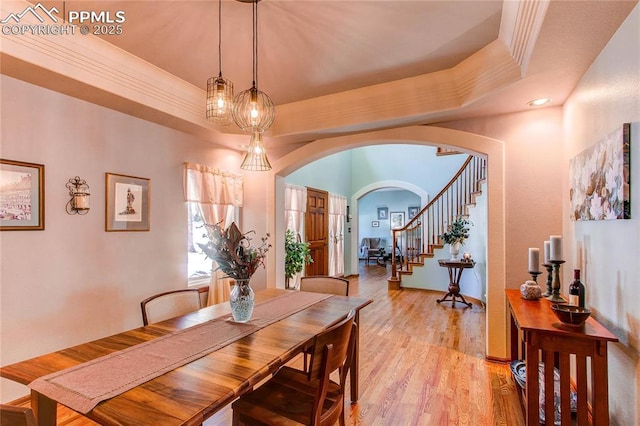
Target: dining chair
295,397
325,284
12,415
169,304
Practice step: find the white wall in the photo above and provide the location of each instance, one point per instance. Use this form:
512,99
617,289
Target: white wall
74,282
414,164
607,96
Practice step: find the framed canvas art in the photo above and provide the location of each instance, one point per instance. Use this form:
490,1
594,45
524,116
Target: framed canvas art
21,196
599,179
127,203
375,224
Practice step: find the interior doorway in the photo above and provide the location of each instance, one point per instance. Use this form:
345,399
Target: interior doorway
316,225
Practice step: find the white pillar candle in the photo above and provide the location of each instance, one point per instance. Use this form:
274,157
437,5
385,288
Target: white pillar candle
547,252
555,253
534,260
81,201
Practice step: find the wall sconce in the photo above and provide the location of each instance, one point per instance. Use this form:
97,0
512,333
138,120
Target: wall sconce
79,202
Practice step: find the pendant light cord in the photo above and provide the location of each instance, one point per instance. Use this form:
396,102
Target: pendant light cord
255,43
220,37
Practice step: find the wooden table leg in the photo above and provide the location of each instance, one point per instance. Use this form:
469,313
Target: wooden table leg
355,362
44,409
454,288
532,388
600,384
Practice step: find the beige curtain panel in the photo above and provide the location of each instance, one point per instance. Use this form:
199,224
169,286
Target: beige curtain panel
216,193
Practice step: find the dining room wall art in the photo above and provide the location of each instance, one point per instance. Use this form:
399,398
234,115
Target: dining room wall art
383,213
127,203
397,220
600,185
413,211
21,196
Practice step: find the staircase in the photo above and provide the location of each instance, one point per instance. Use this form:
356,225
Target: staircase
418,239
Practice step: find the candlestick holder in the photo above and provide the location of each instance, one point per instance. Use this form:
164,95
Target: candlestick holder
534,275
555,283
549,268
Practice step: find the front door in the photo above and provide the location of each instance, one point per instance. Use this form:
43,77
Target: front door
316,224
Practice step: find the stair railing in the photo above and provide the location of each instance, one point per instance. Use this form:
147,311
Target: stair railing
422,233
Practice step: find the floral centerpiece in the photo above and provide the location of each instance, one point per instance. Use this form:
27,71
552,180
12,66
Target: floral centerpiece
456,234
237,259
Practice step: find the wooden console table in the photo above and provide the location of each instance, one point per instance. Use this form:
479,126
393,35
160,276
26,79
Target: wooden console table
455,273
538,335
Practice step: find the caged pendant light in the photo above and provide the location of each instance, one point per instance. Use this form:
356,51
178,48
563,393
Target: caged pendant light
253,110
256,158
219,89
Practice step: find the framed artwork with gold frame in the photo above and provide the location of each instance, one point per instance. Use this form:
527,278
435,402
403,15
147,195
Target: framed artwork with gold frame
21,196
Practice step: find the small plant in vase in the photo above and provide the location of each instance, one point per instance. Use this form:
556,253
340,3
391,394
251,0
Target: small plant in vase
237,259
456,234
297,254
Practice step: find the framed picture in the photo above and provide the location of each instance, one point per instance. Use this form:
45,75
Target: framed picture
127,203
383,213
600,187
413,211
21,196
397,220
375,224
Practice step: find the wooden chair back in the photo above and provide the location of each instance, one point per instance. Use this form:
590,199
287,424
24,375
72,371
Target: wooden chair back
11,415
330,353
325,284
169,304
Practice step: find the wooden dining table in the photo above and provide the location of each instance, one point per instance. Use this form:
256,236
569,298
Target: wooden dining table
189,394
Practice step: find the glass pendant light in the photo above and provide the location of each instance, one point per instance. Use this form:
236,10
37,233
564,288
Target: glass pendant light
219,89
256,158
253,110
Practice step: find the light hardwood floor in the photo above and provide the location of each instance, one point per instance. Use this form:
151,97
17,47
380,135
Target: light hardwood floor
422,363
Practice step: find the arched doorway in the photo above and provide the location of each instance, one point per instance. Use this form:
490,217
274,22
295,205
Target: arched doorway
496,318
424,199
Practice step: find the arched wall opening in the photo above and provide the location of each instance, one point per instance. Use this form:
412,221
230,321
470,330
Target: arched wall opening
492,149
424,199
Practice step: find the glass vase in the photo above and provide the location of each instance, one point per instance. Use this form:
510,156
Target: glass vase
242,301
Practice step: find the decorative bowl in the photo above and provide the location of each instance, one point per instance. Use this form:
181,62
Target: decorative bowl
572,315
530,290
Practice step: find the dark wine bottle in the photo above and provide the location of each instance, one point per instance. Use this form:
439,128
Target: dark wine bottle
576,290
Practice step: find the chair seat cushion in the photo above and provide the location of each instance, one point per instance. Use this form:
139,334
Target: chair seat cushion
286,399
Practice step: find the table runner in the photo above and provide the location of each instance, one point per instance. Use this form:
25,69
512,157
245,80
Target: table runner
83,386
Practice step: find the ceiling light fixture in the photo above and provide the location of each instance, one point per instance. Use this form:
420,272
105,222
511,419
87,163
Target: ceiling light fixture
256,159
539,102
253,110
219,90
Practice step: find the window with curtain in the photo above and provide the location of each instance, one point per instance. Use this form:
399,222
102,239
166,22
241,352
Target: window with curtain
212,196
295,205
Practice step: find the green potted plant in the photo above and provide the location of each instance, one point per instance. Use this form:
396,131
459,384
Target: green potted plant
456,234
297,254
